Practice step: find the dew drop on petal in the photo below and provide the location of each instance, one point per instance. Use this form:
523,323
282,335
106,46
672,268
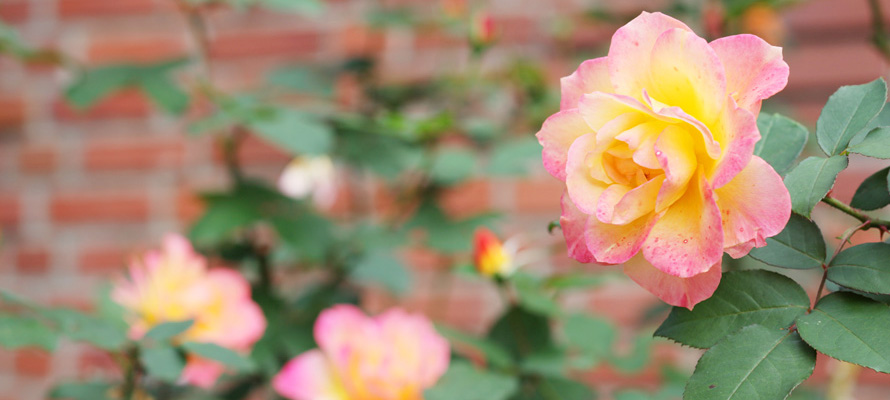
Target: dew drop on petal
685,240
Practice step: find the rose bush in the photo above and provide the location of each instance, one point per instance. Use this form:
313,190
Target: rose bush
393,356
655,145
174,284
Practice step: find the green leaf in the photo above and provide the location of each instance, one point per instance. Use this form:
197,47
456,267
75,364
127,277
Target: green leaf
637,358
215,352
493,352
17,332
521,332
95,84
575,280
811,180
848,112
566,389
874,192
382,267
593,336
223,215
743,298
546,362
799,246
863,267
307,235
532,295
876,144
162,362
165,93
306,7
82,391
452,165
756,363
166,331
781,141
304,79
514,157
849,328
465,382
293,131
78,326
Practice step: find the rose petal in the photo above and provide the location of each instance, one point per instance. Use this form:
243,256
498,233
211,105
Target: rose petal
584,188
676,291
591,76
675,151
339,329
755,205
607,201
201,372
574,225
422,355
598,109
687,73
754,69
615,244
642,138
630,52
637,202
738,134
309,376
556,136
688,239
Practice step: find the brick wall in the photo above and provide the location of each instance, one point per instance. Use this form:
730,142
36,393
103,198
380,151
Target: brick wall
79,192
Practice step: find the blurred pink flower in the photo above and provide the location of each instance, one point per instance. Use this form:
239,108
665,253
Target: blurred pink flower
174,284
655,144
393,356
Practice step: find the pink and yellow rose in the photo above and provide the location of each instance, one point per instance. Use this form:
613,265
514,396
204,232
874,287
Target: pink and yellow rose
393,356
174,284
655,145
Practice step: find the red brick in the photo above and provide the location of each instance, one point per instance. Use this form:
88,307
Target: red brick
142,154
102,260
357,40
32,260
12,112
131,48
99,207
99,8
433,38
14,10
37,159
539,196
188,206
246,44
93,363
468,199
9,209
128,103
515,29
34,363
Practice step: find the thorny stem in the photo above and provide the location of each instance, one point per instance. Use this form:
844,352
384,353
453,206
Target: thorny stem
844,239
868,222
879,33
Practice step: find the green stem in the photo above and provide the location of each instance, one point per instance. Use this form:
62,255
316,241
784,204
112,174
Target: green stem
867,222
130,364
879,32
844,239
